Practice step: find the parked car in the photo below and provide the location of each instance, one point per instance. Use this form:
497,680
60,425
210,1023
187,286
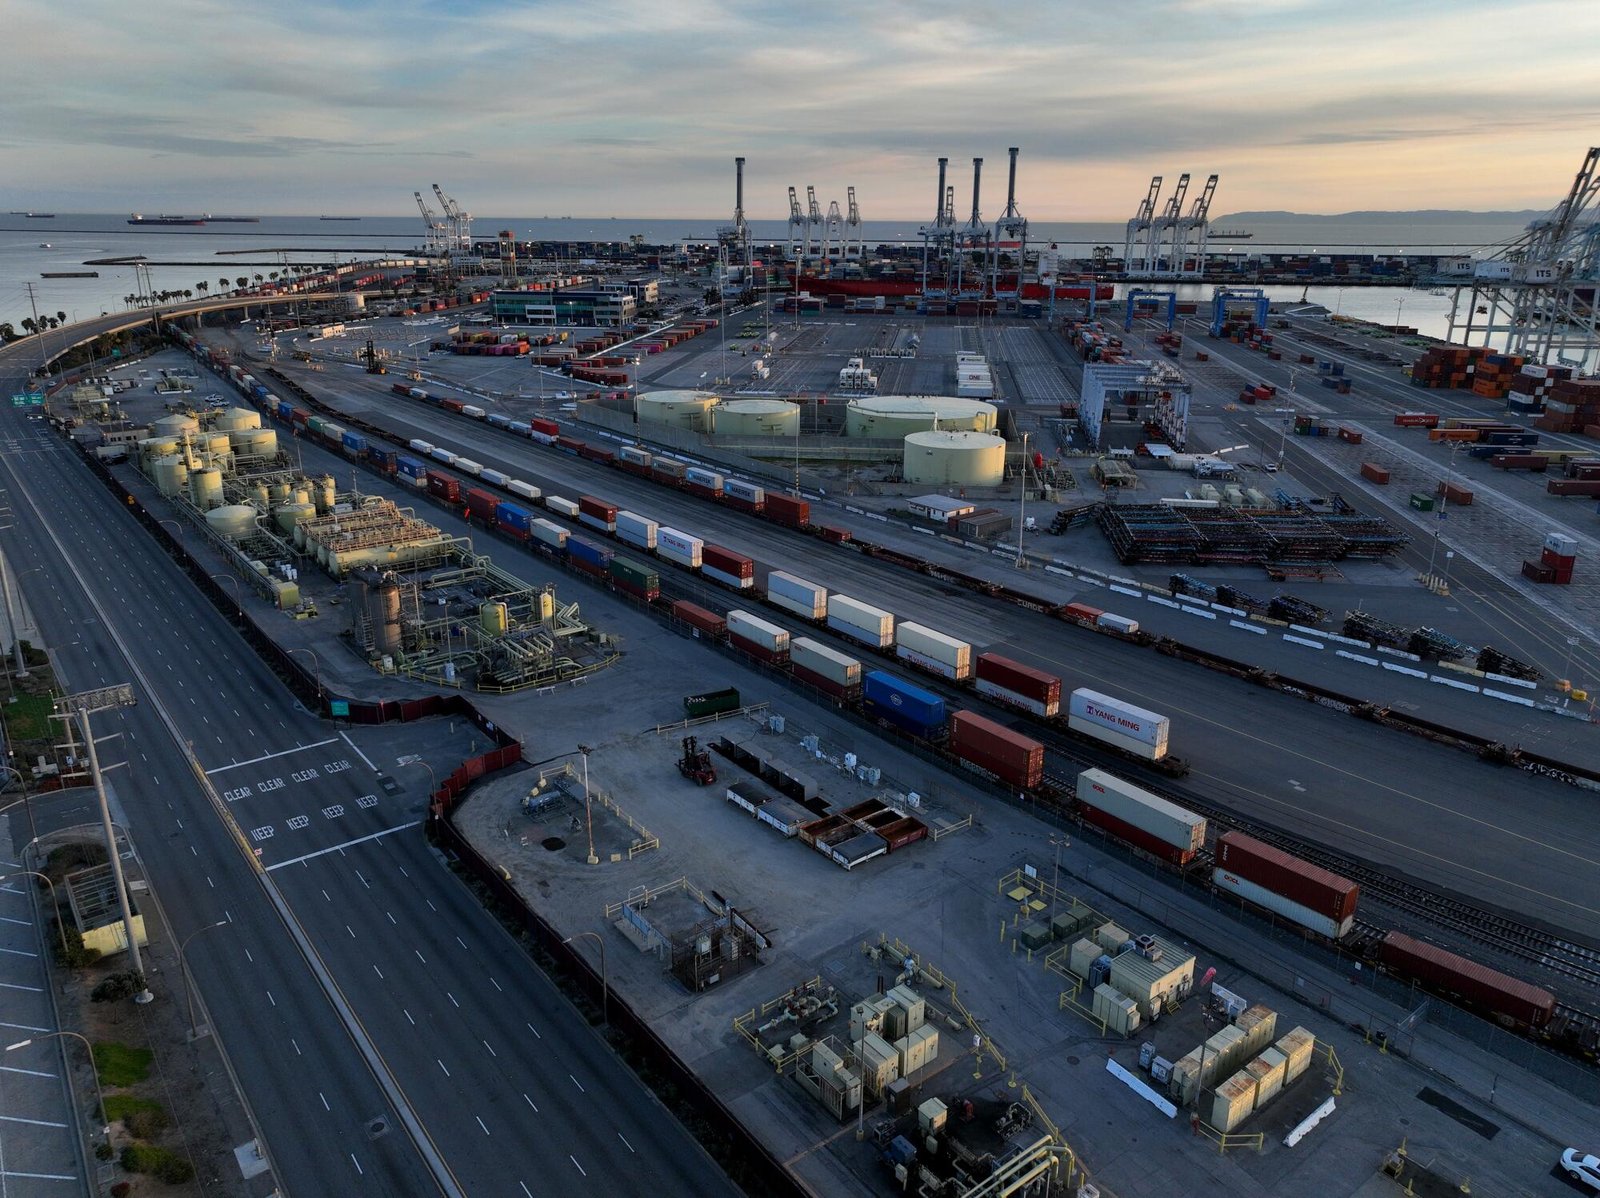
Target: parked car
1582,1167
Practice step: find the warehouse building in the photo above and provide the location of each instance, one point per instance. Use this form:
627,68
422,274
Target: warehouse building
574,306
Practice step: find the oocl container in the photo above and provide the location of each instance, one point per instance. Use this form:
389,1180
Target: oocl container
636,530
1021,686
1139,817
826,669
804,599
1141,732
699,618
679,547
861,621
934,651
902,704
755,636
991,747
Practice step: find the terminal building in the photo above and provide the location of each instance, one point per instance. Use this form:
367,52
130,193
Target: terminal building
571,306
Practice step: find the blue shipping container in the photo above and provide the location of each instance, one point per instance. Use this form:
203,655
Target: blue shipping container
512,516
384,459
259,391
285,410
354,442
902,704
499,421
521,427
410,467
588,551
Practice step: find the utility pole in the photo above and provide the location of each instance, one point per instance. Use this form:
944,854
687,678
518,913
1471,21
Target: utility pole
44,362
1023,508
79,708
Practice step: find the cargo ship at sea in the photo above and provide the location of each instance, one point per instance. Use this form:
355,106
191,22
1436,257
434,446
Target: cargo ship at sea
1229,235
140,219
338,218
232,220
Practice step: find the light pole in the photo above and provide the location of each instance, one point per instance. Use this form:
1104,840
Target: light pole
238,599
1444,499
182,540
605,975
99,1094
1399,305
588,811
11,620
54,906
188,978
433,783
1023,507
316,666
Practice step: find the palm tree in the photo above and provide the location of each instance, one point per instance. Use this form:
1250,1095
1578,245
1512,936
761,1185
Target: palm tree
272,275
29,325
202,287
224,283
242,282
61,318
188,293
7,333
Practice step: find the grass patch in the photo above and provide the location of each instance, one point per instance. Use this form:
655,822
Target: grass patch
120,1106
121,1064
29,717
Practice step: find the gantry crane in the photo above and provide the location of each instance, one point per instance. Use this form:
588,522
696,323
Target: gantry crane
855,243
1538,295
436,239
1010,240
833,232
813,224
460,222
1164,232
1139,229
734,239
938,238
797,228
974,240
1189,238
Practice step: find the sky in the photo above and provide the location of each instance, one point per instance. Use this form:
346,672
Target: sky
635,109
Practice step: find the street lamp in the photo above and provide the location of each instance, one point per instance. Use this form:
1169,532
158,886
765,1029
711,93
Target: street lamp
100,1097
433,783
316,666
6,582
1444,498
588,811
55,907
1023,507
1399,305
238,599
182,540
605,975
188,978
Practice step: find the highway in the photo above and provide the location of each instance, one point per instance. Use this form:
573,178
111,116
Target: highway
1500,837
390,1037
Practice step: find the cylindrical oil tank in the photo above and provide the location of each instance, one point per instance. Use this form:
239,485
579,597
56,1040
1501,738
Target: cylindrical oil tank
326,494
894,416
237,419
212,442
171,474
290,514
205,489
234,521
300,536
756,418
175,426
300,494
955,459
278,493
493,618
158,447
386,615
255,442
259,497
679,409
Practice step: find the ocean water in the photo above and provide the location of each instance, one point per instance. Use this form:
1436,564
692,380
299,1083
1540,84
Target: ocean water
181,256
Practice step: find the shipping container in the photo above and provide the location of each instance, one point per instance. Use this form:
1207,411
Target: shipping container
788,510
700,618
562,507
444,486
933,651
420,446
755,636
597,513
699,706
1116,623
664,470
1019,685
636,578
1299,891
703,482
518,521
410,467
679,547
902,704
527,490
805,599
1499,994
992,747
1082,612
1180,832
826,669
747,497
481,505
1119,723
861,621
727,567
636,530
588,556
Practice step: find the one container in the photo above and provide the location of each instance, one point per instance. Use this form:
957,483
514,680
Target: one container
481,505
547,532
1478,984
745,496
679,547
787,510
588,556
1008,755
805,599
933,651
513,519
561,506
861,621
1297,1047
827,669
1298,890
597,513
727,567
902,704
1139,817
755,636
1119,723
1233,1102
1116,623
527,490
636,530
1017,684
1269,1070
699,618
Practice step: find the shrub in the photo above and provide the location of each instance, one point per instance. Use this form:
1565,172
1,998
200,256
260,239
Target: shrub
103,1151
118,986
121,1189
76,955
146,1123
121,1064
161,1163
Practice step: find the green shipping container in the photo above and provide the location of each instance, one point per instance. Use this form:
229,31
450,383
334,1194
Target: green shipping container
632,572
711,703
1423,503
316,423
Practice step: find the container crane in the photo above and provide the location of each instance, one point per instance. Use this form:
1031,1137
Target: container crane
938,238
1189,238
460,221
1539,294
1010,238
797,228
974,237
735,238
434,243
1164,232
813,223
833,235
855,245
1139,227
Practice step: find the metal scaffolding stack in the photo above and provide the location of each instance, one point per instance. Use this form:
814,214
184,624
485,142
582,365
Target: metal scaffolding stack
1294,535
1149,533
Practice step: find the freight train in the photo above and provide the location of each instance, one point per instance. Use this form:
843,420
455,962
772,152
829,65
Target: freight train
1289,888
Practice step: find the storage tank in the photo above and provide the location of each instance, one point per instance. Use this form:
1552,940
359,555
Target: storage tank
259,497
290,514
278,493
493,618
152,448
171,474
386,614
325,494
955,459
205,489
237,419
886,416
176,426
679,409
234,521
756,418
255,442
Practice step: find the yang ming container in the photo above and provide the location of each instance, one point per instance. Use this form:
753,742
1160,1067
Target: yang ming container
933,651
805,599
1132,729
679,547
860,621
1019,685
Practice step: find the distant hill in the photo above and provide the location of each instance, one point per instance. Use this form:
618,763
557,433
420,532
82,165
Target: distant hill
1459,216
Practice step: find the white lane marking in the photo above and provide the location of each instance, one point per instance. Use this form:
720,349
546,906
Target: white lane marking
535,1032
403,872
525,1189
27,923
351,930
531,1103
624,1139
27,1072
358,752
339,848
575,1164
490,1047
29,1122
461,942
392,919
440,1063
269,756
19,986
407,1014
363,881
357,1164
270,999
17,952
452,998
296,1044
41,1176
496,985
481,1124
248,957
324,1098
379,972
579,1084
420,957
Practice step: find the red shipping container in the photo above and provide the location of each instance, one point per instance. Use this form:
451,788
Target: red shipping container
833,534
1039,689
786,509
1137,837
1572,486
1489,988
1556,561
1451,493
482,504
1374,473
1082,611
826,685
1300,881
1520,461
727,561
758,651
1007,755
1349,436
598,508
1538,571
1417,420
444,486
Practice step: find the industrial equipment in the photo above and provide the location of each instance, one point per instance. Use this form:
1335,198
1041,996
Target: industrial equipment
695,764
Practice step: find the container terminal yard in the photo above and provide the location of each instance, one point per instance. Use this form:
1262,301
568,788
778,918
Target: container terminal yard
962,735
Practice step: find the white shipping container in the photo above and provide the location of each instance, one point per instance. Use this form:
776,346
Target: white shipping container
442,455
475,412
421,446
542,438
468,466
1114,715
862,621
599,522
826,662
743,490
805,599
495,477
548,533
1278,904
679,547
637,456
732,580
1150,813
705,478
933,650
1118,623
754,628
562,507
416,480
636,530
527,490
1127,744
